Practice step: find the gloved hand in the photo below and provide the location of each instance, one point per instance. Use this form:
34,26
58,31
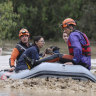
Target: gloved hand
66,58
12,69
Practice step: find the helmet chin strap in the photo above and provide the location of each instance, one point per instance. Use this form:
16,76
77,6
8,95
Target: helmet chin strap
71,28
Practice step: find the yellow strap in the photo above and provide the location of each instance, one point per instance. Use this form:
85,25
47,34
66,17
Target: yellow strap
28,66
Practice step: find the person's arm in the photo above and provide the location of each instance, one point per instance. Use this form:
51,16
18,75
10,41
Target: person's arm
77,48
35,54
14,56
30,57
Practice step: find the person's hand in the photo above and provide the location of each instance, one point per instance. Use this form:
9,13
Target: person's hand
12,69
68,63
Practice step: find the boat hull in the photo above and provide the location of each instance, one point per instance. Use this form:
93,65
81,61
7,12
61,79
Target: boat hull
53,70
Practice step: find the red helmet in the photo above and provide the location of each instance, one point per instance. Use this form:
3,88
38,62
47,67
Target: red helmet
67,22
23,32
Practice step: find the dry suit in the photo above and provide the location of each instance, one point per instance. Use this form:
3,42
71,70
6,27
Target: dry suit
79,48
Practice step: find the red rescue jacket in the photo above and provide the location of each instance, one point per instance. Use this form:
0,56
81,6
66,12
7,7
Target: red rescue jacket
86,50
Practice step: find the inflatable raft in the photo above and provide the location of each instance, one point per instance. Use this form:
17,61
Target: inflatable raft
57,70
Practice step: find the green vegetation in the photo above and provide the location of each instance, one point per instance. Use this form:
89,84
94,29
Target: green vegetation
8,20
43,17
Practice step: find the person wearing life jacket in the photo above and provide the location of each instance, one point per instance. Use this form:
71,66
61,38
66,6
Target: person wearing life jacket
78,44
32,53
20,47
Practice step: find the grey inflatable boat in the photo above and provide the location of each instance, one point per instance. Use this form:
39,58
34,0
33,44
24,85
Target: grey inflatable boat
57,70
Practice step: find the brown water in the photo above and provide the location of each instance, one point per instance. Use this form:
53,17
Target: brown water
47,87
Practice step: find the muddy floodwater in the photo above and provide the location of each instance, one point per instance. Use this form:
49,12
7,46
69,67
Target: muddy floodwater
48,87
45,86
